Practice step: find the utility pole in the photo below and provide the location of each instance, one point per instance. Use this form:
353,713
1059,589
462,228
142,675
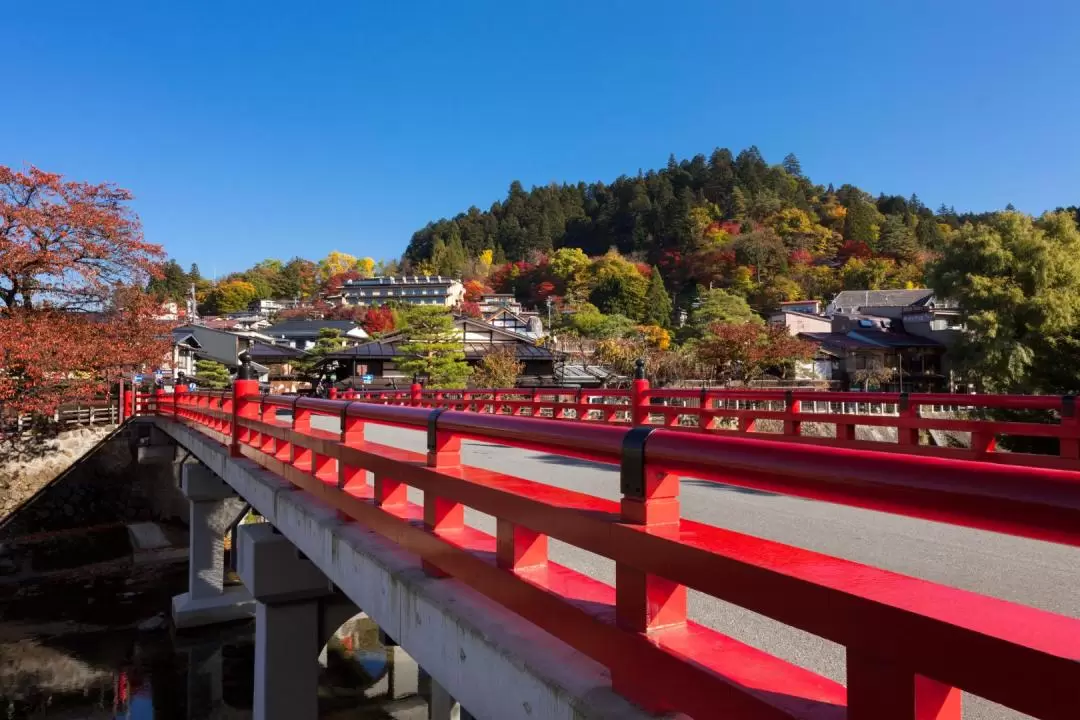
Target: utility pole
193,312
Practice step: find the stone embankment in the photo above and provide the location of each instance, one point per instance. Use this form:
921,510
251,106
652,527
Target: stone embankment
26,470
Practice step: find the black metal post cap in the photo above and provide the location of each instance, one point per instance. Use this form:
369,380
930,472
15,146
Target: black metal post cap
639,369
246,372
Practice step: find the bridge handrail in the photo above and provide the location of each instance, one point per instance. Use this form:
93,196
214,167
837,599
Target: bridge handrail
784,415
899,631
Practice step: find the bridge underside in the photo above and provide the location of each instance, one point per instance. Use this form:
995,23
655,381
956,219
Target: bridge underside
491,661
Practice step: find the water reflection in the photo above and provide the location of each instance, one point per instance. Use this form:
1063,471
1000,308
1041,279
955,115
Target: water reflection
68,672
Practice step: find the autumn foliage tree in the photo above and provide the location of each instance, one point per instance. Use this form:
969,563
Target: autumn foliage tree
742,352
498,368
72,317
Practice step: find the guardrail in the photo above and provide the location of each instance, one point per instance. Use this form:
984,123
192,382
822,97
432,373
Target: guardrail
912,645
788,415
65,417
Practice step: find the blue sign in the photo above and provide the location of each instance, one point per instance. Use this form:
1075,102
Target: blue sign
138,378
367,379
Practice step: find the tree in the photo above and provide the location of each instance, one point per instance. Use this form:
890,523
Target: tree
617,286
70,243
299,278
791,165
66,247
719,306
211,374
49,356
568,263
335,263
658,307
1018,282
742,352
231,296
862,222
763,250
474,290
311,365
498,368
434,348
378,321
365,266
171,283
898,240
874,375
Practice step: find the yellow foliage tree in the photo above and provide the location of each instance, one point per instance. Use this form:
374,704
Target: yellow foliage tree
365,266
484,261
335,263
655,336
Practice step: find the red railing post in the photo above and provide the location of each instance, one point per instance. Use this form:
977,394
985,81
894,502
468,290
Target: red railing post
332,393
639,395
416,391
179,389
644,602
881,690
129,403
244,401
907,412
352,435
441,514
1070,443
159,400
792,407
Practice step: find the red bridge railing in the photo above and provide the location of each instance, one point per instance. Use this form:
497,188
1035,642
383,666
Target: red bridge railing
912,645
921,423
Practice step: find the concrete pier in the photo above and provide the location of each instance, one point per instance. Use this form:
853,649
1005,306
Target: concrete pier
288,590
214,507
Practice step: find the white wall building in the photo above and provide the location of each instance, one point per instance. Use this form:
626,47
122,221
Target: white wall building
407,289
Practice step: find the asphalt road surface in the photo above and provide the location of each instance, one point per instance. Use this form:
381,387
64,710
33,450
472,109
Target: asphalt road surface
1039,574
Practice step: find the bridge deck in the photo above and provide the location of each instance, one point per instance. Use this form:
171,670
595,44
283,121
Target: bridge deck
892,624
1029,572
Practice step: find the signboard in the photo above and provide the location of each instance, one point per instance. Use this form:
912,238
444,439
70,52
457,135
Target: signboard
137,379
367,379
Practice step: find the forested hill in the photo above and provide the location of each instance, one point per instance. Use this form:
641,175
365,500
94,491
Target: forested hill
707,221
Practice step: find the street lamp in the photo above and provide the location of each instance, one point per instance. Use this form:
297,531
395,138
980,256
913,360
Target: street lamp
548,300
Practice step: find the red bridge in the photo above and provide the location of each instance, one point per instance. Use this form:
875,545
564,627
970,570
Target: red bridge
561,595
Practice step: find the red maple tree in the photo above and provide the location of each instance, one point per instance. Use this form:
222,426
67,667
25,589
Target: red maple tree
474,290
72,313
378,320
745,351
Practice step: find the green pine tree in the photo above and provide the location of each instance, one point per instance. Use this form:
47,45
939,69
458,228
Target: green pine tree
211,374
434,348
657,302
329,341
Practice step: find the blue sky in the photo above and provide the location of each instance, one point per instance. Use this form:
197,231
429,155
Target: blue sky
272,129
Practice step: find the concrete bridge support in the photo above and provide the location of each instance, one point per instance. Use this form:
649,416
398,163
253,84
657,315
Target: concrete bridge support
288,589
213,508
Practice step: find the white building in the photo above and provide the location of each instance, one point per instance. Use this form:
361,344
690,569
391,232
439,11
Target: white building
407,289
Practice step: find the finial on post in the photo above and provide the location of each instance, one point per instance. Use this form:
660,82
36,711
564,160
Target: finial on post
639,369
246,371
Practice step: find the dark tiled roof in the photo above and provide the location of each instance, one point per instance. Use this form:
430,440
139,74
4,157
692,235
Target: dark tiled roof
366,350
870,340
272,353
881,298
375,350
308,328
895,339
